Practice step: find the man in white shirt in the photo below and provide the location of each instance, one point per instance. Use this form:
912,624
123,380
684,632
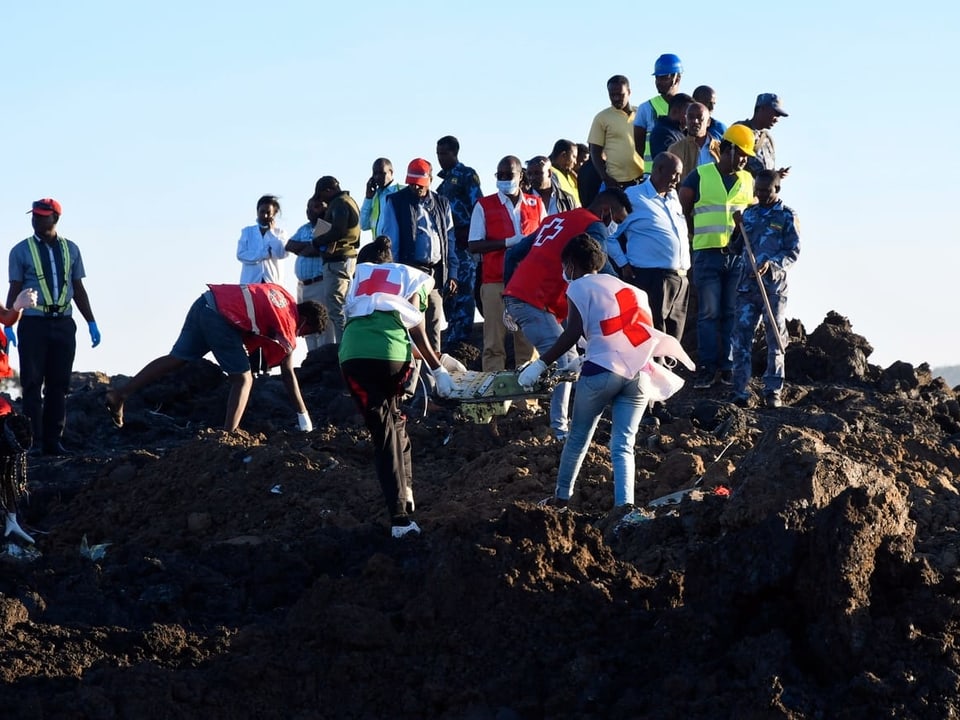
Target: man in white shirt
500,221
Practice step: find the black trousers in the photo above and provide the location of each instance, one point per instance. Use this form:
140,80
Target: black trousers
668,293
47,349
376,386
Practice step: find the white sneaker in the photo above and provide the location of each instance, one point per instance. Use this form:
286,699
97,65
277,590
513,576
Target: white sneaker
12,527
398,531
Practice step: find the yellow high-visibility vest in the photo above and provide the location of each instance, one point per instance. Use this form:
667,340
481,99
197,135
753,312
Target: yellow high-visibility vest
47,284
660,108
713,212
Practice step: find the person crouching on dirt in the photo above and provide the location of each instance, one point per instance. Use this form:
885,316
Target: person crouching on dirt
16,434
16,437
618,369
384,311
230,321
773,231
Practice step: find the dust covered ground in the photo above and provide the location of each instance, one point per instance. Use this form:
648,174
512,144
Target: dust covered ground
813,574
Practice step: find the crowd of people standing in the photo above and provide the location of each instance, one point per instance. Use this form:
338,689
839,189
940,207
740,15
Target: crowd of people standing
663,198
675,201
687,177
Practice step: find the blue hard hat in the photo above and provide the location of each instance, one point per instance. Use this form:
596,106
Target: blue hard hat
667,64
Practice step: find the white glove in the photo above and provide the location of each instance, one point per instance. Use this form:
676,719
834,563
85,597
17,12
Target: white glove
445,384
508,322
304,422
531,372
511,241
451,364
574,365
26,299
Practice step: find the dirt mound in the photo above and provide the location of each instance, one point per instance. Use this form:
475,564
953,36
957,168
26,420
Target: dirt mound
811,572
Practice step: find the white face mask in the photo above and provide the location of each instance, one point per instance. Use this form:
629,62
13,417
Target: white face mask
508,187
610,224
566,278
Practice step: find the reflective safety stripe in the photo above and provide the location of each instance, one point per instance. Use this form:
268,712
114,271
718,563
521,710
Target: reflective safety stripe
712,220
712,229
660,108
46,288
709,208
248,302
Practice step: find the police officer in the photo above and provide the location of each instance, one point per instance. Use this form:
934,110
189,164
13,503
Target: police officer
461,188
772,229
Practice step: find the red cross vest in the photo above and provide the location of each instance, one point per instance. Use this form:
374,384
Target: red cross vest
499,226
620,334
538,278
387,288
266,313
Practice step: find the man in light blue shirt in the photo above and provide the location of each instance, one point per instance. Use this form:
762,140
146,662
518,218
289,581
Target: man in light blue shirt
650,248
309,269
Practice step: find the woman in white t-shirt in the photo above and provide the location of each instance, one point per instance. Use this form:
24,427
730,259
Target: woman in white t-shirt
618,369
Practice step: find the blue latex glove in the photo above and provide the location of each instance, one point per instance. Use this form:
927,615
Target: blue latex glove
11,336
94,332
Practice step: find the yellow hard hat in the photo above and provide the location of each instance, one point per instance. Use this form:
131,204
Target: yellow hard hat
742,137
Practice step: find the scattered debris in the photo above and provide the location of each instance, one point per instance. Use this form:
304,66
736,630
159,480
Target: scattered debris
93,552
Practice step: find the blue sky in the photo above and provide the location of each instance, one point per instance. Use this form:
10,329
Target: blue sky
157,126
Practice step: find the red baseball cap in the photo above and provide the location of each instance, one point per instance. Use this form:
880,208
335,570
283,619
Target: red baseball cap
418,172
46,206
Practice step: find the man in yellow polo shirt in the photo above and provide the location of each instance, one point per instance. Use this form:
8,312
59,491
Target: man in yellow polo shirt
612,149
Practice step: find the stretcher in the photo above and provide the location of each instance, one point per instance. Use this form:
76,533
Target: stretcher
483,395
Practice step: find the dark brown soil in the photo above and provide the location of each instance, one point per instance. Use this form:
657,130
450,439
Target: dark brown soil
252,575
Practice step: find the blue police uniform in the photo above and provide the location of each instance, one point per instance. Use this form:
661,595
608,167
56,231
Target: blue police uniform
461,188
774,237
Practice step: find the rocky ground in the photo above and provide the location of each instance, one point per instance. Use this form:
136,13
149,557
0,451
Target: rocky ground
813,573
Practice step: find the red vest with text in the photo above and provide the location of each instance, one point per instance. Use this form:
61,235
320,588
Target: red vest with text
266,313
538,279
499,226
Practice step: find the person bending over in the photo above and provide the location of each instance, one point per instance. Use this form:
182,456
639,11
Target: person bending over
385,323
618,369
230,321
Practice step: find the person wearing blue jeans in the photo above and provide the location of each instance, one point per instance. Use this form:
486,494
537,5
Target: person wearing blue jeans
709,196
618,369
627,399
716,274
535,292
542,330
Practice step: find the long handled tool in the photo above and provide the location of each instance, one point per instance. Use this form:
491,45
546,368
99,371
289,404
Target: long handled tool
737,216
